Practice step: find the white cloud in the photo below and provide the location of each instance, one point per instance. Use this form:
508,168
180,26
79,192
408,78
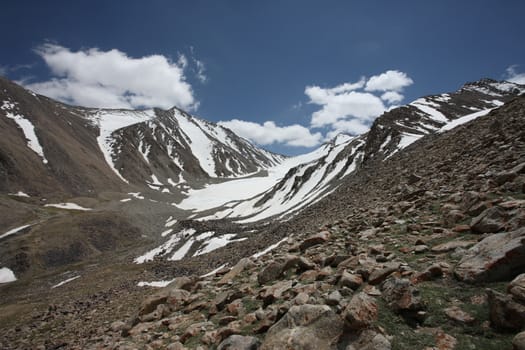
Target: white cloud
391,80
352,126
392,97
200,71
269,133
351,107
361,105
3,71
514,76
96,78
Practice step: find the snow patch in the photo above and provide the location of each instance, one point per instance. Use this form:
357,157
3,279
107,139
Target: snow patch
218,242
7,275
465,119
68,206
29,132
269,249
166,247
19,194
13,231
214,271
64,282
110,121
155,284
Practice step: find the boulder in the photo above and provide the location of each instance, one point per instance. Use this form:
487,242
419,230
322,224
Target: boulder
271,272
518,343
456,314
505,313
378,275
370,340
490,220
517,288
506,176
452,245
315,239
350,280
305,327
403,298
239,342
236,270
498,257
430,273
361,311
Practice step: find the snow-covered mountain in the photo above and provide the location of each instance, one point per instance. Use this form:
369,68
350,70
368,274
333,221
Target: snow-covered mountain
171,150
49,147
143,172
319,173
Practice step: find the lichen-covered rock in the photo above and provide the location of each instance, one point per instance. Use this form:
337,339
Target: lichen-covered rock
361,311
239,342
315,327
498,257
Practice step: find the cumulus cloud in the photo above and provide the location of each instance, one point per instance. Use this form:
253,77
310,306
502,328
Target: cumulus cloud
351,107
97,78
269,133
392,97
391,80
515,77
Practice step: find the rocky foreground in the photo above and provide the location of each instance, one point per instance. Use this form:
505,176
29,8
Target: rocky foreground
423,251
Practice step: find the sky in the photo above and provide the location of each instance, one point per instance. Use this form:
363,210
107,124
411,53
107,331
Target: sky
288,75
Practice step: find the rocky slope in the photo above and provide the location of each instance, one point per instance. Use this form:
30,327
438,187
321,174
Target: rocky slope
423,250
410,259
412,212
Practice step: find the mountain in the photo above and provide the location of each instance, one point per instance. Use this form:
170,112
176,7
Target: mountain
419,247
127,180
321,172
51,147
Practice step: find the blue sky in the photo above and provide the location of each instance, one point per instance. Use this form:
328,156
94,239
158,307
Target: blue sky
287,74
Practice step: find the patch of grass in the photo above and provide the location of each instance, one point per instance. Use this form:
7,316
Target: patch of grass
405,337
250,304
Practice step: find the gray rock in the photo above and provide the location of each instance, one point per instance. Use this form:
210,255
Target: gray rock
305,327
350,280
239,342
370,340
334,298
490,220
379,275
236,270
271,272
498,257
517,288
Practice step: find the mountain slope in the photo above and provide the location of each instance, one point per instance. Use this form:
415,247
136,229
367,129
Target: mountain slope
51,147
393,131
